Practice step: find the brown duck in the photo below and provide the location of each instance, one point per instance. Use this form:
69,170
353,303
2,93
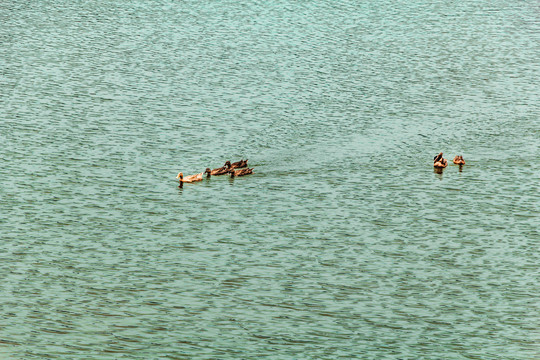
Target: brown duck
219,171
458,160
439,161
241,172
188,179
237,165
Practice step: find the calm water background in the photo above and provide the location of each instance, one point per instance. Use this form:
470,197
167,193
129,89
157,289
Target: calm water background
343,244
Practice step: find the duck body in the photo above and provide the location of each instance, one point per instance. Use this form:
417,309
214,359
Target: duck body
219,171
241,172
458,160
190,178
439,161
441,164
237,165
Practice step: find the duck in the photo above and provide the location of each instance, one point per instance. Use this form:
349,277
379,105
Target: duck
441,164
189,179
439,161
458,160
219,171
237,165
241,172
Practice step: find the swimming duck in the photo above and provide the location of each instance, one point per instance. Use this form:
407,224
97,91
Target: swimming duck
219,171
189,179
458,160
241,172
237,165
439,161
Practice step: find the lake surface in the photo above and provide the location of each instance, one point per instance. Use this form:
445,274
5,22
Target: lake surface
344,243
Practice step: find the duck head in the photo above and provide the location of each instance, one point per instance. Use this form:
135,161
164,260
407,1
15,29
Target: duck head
180,176
207,171
227,164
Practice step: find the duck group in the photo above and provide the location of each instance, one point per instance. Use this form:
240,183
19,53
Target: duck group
440,163
227,168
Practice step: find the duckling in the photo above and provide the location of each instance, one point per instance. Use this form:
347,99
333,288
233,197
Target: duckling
241,172
458,160
439,161
189,179
237,165
219,171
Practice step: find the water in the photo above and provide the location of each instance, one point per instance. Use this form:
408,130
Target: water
343,244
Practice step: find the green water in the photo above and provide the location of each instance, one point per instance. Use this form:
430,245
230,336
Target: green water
344,243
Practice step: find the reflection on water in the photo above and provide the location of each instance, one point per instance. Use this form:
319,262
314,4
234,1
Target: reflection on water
328,250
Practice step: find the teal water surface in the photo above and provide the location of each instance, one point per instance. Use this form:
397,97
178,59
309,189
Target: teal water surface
344,243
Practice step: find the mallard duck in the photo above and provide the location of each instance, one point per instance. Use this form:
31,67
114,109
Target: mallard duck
241,172
219,171
189,179
237,165
458,160
439,161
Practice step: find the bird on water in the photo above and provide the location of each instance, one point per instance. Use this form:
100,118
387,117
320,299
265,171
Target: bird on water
188,179
439,161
